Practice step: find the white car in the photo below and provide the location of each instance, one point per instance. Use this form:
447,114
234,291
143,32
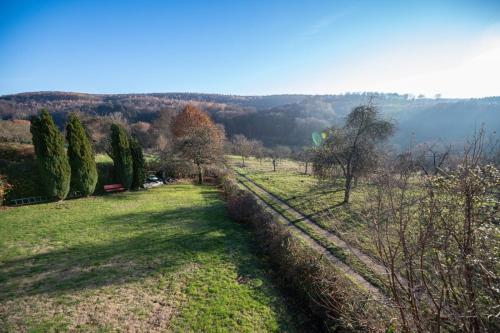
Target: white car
152,181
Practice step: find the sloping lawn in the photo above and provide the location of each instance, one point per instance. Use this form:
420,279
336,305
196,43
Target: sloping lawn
167,259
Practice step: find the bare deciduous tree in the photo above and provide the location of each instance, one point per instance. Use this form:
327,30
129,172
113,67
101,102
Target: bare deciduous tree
304,156
438,236
277,154
202,146
242,146
352,147
432,159
258,150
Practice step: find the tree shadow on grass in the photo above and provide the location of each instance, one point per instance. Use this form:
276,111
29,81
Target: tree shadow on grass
324,210
145,244
321,189
133,255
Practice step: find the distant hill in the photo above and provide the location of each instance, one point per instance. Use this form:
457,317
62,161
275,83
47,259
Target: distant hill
276,119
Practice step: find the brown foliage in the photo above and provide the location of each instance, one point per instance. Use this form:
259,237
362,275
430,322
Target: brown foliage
17,130
199,140
97,129
4,188
189,119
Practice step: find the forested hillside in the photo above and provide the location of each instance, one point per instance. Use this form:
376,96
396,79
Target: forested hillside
275,119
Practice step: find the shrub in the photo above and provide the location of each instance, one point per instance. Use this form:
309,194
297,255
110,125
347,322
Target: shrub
327,294
122,158
81,158
24,178
105,175
16,130
242,207
137,164
229,187
16,152
18,165
4,188
175,167
50,156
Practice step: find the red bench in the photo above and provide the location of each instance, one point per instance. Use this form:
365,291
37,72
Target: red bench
114,188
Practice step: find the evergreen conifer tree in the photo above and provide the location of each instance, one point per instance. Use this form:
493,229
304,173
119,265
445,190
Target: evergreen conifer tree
122,158
81,158
138,163
51,158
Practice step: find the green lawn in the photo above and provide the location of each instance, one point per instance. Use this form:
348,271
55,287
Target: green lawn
104,158
167,259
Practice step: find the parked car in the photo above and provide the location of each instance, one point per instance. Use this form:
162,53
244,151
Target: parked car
152,181
152,178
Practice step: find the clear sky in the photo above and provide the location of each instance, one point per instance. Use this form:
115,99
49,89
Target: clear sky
251,47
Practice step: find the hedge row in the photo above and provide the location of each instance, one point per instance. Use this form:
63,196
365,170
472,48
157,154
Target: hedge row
326,293
17,164
24,177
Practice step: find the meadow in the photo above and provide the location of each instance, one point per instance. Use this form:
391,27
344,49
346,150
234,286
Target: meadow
167,259
320,200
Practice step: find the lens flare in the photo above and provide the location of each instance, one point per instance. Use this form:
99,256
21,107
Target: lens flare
317,138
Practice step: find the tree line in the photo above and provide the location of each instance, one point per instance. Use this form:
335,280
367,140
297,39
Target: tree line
75,168
274,120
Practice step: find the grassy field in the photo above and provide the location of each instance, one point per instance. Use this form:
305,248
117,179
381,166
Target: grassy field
167,259
104,158
319,200
346,257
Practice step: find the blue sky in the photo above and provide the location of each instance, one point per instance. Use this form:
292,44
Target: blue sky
251,47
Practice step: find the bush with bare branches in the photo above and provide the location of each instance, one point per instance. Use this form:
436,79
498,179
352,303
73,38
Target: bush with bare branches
439,236
327,294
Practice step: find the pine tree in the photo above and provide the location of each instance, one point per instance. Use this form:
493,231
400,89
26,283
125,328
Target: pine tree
122,158
138,163
81,158
51,158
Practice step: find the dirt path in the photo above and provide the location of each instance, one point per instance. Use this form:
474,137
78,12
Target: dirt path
259,191
367,260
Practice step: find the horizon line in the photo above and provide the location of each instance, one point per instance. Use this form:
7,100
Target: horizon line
415,96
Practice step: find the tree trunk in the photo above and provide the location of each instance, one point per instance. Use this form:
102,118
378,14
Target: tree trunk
305,172
200,174
347,189
243,159
468,252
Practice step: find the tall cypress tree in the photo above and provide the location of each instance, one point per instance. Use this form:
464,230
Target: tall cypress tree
120,153
50,155
138,163
81,158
